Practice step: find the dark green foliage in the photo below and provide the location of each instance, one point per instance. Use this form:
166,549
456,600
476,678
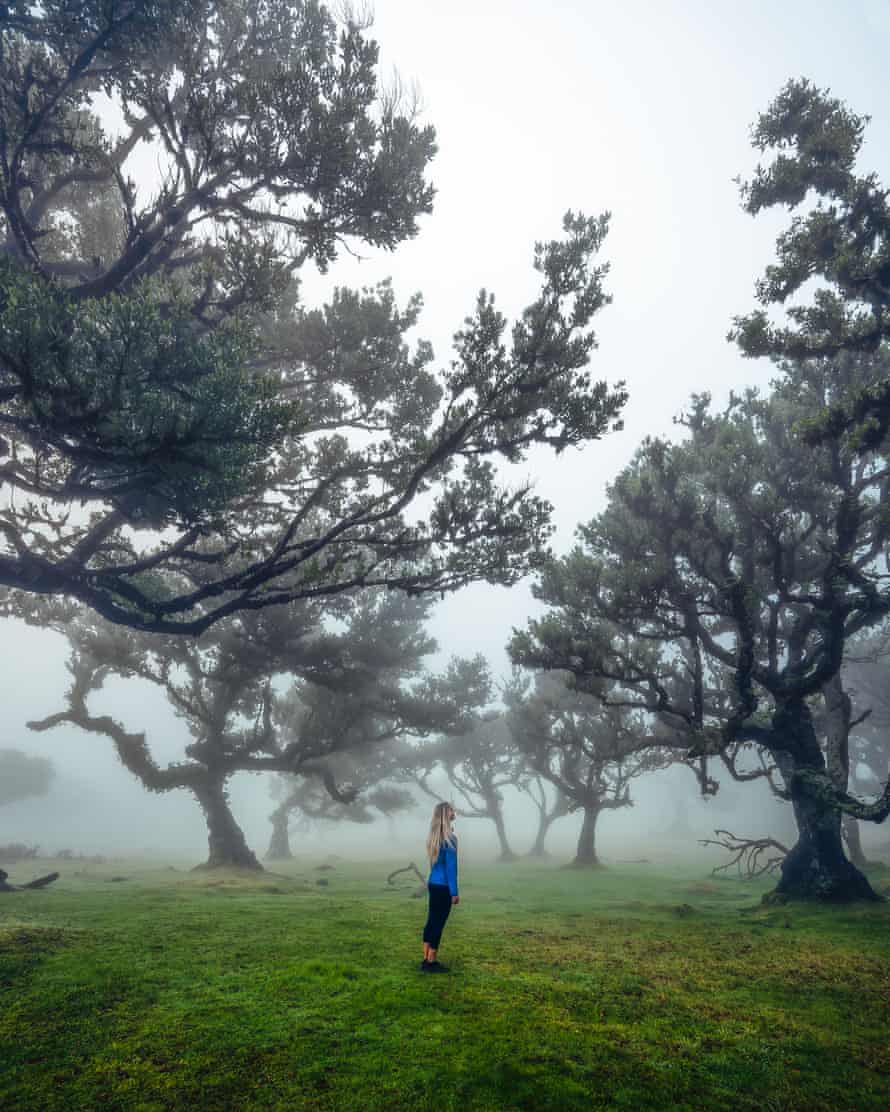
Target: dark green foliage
122,400
255,106
155,362
843,243
844,240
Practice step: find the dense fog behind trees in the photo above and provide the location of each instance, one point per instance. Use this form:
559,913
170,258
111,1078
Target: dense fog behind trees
95,806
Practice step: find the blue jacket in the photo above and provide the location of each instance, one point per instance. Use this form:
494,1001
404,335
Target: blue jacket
445,869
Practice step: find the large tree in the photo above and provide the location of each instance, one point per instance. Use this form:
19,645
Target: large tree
589,752
165,399
225,687
718,590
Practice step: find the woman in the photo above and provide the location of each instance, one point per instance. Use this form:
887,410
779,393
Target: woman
441,849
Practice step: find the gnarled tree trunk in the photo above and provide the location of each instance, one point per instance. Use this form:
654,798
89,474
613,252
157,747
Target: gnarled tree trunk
226,841
546,818
494,810
545,821
816,868
585,854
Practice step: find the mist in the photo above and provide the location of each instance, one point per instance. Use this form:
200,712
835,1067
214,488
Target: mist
96,807
444,555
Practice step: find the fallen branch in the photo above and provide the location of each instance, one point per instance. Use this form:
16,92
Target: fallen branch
407,869
40,882
747,854
419,891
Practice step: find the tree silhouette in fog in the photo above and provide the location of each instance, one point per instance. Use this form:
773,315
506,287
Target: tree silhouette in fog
355,685
376,771
588,751
22,775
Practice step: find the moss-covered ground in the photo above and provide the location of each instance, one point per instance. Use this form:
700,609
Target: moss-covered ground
629,988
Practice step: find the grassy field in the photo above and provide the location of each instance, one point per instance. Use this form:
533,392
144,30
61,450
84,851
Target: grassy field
622,988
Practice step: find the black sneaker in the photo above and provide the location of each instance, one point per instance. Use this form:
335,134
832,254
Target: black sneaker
436,967
424,966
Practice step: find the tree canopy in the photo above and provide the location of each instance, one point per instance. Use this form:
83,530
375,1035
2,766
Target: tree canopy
167,402
842,246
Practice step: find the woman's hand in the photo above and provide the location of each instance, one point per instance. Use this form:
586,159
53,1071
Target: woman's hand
455,900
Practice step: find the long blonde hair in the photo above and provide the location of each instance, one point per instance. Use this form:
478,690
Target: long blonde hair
440,831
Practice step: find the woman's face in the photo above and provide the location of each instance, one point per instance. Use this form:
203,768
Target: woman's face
451,816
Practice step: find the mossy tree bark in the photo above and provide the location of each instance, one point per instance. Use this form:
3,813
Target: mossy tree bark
816,867
226,842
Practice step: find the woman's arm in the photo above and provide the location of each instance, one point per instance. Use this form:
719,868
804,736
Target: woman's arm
451,872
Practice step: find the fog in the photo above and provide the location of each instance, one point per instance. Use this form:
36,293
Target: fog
95,806
642,109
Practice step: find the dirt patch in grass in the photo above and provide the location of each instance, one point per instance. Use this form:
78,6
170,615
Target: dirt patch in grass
704,888
241,880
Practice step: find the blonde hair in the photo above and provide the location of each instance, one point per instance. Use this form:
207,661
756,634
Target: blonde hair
440,831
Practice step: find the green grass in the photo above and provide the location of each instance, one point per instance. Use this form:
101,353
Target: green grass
625,988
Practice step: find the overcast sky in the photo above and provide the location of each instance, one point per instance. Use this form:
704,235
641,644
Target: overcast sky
640,108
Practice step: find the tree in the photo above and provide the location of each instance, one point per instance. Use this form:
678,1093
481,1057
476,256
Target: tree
550,804
588,751
361,729
474,752
167,403
717,592
223,686
843,243
22,776
478,764
372,771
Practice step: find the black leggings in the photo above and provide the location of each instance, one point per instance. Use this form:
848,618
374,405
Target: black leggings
440,909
